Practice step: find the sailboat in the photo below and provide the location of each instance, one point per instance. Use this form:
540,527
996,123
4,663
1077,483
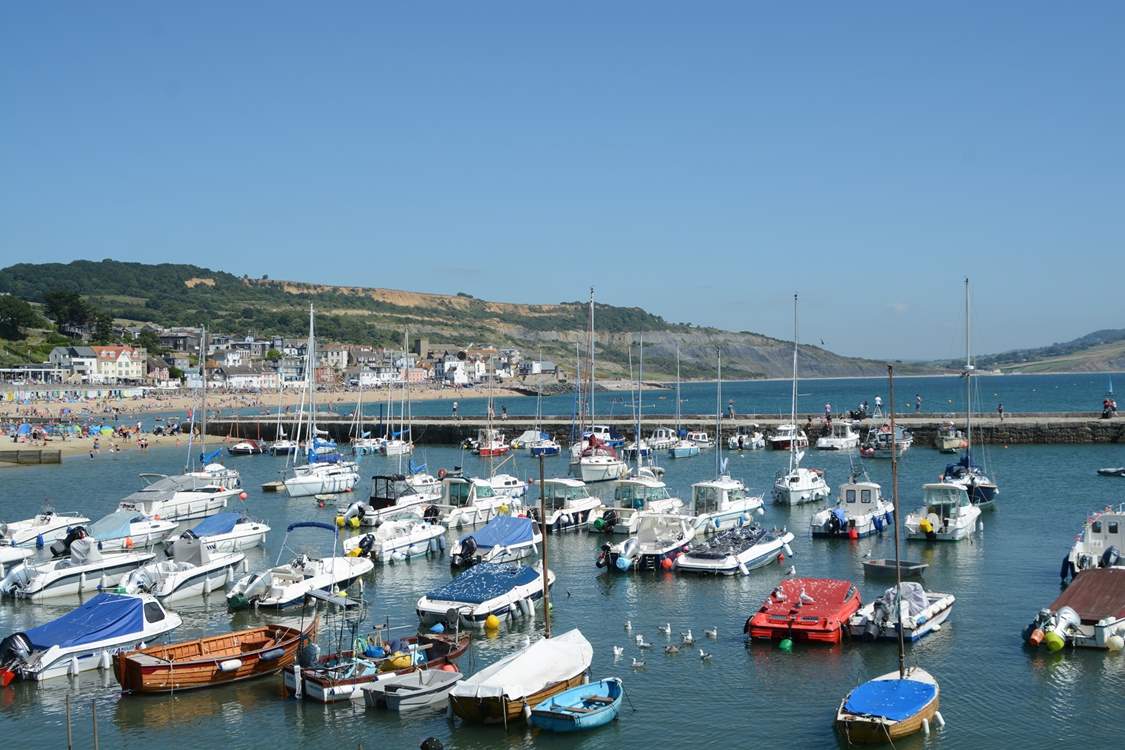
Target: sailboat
899,703
323,472
198,492
598,462
982,490
683,447
799,485
402,442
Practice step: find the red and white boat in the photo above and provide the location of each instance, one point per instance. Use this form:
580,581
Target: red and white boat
806,609
490,442
786,436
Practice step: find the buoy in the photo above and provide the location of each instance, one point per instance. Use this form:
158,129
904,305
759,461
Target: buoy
492,622
781,557
786,645
599,524
242,495
853,533
666,564
340,521
622,564
354,522
1115,643
1036,637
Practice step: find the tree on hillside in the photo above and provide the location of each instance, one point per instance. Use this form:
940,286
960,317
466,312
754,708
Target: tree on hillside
151,342
15,315
103,328
273,355
67,308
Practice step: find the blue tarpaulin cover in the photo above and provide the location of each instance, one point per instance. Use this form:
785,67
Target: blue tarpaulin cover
841,515
891,699
484,581
104,616
504,531
113,526
220,523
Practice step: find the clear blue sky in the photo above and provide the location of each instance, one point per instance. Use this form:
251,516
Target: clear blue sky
702,160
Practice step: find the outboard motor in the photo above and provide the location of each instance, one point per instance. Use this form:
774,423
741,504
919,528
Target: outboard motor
366,543
1110,558
61,547
464,554
14,650
611,518
1059,628
431,514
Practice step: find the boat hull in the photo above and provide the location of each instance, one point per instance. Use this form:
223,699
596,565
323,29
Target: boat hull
868,730
502,710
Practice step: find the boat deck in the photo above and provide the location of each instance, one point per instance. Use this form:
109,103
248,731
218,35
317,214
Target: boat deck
1095,594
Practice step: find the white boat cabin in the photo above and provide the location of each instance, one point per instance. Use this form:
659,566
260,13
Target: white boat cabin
458,492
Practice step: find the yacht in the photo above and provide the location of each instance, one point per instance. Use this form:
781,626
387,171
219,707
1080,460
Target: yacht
786,437
86,570
472,502
746,438
860,511
946,514
568,504
399,536
228,532
662,438
721,504
122,530
841,438
40,530
631,497
194,570
195,494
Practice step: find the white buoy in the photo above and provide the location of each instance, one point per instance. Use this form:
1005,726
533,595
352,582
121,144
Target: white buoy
936,628
297,681
926,727
939,720
788,549
761,511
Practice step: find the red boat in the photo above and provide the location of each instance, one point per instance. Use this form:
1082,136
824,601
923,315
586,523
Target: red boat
809,609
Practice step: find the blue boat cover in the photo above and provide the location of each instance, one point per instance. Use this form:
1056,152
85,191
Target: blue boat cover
891,699
206,458
104,616
220,523
484,581
504,531
114,526
841,515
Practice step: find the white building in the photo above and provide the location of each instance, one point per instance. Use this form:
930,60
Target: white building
81,361
119,364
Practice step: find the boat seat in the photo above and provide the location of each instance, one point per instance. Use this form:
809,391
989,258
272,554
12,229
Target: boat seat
579,709
256,645
599,699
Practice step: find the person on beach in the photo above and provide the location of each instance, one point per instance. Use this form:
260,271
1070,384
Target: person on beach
1000,411
503,412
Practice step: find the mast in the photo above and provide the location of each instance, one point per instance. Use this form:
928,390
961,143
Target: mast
640,392
546,570
793,461
677,390
968,378
203,410
591,359
719,417
894,498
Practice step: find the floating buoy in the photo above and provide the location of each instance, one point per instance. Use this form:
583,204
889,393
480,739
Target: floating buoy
340,521
853,533
492,622
243,495
354,522
666,564
599,524
1115,643
786,645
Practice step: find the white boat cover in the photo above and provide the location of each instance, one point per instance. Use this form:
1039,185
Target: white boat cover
530,670
912,594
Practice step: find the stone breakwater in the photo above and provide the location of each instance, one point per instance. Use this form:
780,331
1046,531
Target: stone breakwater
1023,429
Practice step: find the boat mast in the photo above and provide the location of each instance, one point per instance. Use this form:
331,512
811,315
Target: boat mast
719,417
968,379
203,410
310,364
677,390
546,571
640,392
894,499
793,460
591,359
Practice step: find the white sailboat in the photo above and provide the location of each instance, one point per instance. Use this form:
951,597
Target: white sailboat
683,446
598,462
799,485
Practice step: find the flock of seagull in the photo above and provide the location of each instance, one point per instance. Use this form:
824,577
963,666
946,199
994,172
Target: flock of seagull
686,639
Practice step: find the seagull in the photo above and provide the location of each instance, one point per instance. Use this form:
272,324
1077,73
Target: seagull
792,570
670,649
866,555
628,624
704,655
617,652
687,638
638,664
666,628
639,639
711,632
642,643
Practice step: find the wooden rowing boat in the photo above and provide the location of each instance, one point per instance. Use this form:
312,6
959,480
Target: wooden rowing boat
211,661
886,719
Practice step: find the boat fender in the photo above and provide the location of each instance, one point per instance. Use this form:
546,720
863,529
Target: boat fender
230,665
603,559
273,654
523,607
742,520
788,549
298,683
39,541
206,586
526,712
926,727
81,583
72,667
743,569
622,564
104,660
939,720
1115,643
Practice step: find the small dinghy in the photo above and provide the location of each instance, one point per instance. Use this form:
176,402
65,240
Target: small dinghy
737,551
1090,613
212,661
580,708
229,532
1116,471
921,613
503,539
501,589
888,707
193,571
422,688
807,609
885,566
84,638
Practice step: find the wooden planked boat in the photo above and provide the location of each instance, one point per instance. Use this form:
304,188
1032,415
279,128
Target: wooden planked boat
583,707
889,707
503,710
211,661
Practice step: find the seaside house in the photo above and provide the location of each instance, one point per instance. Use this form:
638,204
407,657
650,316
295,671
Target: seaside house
333,357
119,364
78,362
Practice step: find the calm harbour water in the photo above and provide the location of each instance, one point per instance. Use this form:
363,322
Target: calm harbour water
994,692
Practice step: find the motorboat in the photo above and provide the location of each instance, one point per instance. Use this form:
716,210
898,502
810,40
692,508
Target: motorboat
422,688
507,690
506,485
546,447
195,494
85,570
10,556
392,494
889,707
860,511
246,448
401,536
503,539
322,477
662,438
786,437
1100,545
373,661
84,638
286,585
119,531
568,505
659,540
637,449
193,571
841,437
879,441
599,463
506,590
736,551
580,708
228,532
213,660
491,443
1089,613
982,490
684,448
702,439
39,531
1112,471
605,436
946,514
284,447
630,497
721,504
919,613
890,567
950,439
807,609
800,485
472,502
747,438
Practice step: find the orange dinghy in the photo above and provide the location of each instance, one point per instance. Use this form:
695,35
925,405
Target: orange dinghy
211,661
809,609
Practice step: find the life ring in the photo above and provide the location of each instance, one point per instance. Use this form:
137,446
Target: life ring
441,473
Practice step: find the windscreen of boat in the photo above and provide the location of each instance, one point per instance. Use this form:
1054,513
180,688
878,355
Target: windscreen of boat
556,495
637,495
659,529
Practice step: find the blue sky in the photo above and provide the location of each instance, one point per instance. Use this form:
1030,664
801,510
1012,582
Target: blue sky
702,160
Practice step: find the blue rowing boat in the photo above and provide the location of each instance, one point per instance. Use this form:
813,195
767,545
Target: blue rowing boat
580,708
